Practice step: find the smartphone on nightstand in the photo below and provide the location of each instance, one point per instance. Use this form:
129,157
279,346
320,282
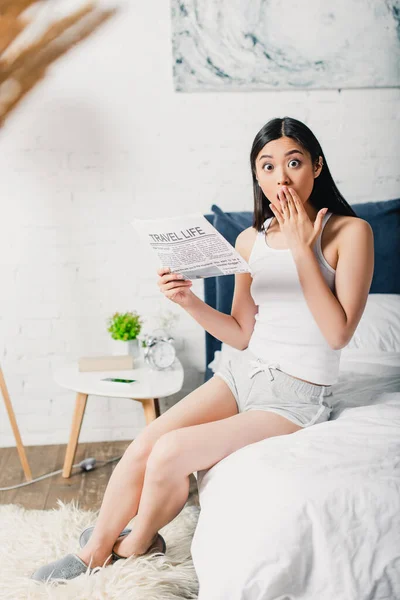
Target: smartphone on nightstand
119,380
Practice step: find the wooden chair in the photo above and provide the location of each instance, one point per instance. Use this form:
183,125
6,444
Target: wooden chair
11,415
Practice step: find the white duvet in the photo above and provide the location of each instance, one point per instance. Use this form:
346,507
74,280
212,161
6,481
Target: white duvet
314,515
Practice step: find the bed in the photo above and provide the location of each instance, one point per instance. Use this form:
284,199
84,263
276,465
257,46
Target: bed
316,514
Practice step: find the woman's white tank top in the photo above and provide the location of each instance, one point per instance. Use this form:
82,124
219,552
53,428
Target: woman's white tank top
285,330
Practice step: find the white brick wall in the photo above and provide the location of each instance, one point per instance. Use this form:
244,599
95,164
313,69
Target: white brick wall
103,139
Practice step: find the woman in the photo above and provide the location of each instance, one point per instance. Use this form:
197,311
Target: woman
291,317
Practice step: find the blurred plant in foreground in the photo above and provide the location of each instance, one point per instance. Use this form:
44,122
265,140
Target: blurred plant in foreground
23,65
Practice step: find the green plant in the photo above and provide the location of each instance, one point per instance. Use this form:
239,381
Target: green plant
124,326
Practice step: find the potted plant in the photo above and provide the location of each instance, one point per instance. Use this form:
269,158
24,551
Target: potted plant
124,329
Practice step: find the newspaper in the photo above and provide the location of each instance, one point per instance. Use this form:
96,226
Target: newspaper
190,245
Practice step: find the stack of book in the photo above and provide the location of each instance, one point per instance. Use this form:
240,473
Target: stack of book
106,363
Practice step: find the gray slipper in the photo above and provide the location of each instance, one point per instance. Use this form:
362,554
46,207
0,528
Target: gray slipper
68,567
86,534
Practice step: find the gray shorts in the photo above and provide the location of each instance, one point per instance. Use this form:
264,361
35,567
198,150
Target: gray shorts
258,385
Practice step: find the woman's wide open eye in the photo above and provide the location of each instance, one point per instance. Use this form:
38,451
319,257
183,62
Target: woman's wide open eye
295,160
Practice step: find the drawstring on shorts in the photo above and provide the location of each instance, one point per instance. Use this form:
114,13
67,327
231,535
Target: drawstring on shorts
258,366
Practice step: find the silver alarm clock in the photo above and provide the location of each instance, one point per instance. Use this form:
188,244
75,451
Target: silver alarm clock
159,352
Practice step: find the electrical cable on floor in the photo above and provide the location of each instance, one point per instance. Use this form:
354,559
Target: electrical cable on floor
87,464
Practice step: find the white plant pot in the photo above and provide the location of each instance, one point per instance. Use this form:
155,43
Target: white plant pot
120,348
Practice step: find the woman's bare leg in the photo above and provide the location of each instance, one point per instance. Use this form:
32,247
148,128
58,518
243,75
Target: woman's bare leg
212,401
177,454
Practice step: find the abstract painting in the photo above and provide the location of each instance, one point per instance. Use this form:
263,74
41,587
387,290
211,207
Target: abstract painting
252,45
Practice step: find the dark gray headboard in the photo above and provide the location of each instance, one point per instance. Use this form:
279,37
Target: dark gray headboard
218,291
212,344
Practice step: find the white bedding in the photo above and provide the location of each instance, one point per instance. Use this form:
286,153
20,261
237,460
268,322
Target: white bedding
315,514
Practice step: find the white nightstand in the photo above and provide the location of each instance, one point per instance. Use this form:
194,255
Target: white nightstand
149,387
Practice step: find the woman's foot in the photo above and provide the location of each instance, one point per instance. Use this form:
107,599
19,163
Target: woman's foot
94,557
73,565
88,532
123,547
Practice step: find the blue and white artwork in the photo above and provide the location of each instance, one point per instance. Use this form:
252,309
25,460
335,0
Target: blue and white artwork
240,45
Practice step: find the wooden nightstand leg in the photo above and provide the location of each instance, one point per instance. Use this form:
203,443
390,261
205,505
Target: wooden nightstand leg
151,409
79,411
18,440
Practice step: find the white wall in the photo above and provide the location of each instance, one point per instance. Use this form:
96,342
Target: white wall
105,138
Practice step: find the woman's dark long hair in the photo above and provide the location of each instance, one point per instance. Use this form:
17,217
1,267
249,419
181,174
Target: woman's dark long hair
324,193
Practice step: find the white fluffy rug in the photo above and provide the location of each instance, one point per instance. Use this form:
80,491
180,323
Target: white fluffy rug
30,538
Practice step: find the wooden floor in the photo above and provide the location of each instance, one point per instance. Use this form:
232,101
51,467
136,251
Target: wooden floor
86,489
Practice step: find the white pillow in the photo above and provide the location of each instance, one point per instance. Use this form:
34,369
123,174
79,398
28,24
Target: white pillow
379,326
377,331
